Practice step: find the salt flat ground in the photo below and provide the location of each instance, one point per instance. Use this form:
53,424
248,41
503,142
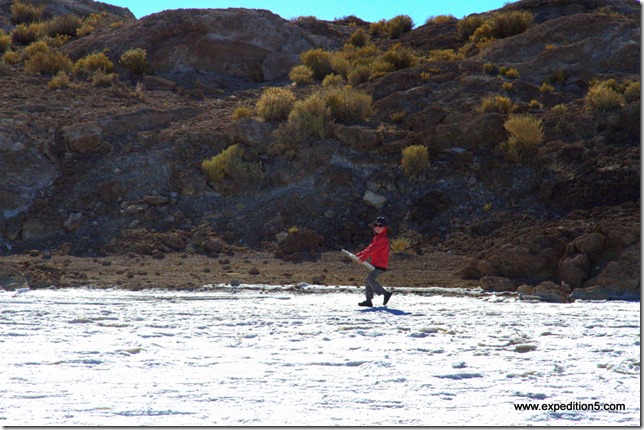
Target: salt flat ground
269,356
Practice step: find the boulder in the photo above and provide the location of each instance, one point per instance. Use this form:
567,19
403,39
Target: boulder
591,244
356,136
247,44
73,221
82,137
574,269
251,132
548,291
376,200
298,245
620,279
496,283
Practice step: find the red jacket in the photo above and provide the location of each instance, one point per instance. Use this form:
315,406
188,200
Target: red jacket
378,250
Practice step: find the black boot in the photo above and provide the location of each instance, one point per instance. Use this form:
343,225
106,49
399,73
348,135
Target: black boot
366,303
387,295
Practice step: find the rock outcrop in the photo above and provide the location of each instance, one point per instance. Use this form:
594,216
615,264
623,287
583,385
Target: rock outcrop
244,44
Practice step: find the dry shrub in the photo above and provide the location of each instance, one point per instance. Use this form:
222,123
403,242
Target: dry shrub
24,13
241,112
319,61
498,104
135,60
401,58
359,38
415,160
400,245
510,73
24,35
526,133
359,74
61,80
546,88
101,79
5,41
230,163
340,64
11,57
467,26
440,19
444,55
91,63
603,97
90,23
48,62
347,104
490,68
301,75
506,24
378,28
310,117
332,80
64,25
398,25
275,104
632,91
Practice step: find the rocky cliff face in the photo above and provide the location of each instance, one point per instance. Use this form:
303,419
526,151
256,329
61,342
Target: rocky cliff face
85,167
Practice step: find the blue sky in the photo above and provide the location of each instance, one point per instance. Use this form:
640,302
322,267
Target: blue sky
368,10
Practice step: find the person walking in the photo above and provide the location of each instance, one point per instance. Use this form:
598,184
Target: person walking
378,252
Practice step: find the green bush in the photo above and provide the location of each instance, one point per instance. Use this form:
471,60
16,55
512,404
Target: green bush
91,63
275,104
603,97
398,25
526,133
301,75
498,104
319,61
135,60
415,160
347,104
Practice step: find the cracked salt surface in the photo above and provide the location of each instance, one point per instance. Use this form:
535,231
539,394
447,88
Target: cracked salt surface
261,355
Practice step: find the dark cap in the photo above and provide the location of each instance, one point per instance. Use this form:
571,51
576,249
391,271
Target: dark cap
382,220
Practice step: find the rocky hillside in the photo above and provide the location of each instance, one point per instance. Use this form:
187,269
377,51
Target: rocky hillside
94,169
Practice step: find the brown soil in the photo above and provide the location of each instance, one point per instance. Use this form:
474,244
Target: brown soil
191,271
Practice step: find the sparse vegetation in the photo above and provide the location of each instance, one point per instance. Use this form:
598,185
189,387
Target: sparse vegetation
398,25
440,19
526,133
445,55
510,73
399,57
25,13
63,25
275,104
359,38
632,91
415,160
498,104
546,88
400,245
